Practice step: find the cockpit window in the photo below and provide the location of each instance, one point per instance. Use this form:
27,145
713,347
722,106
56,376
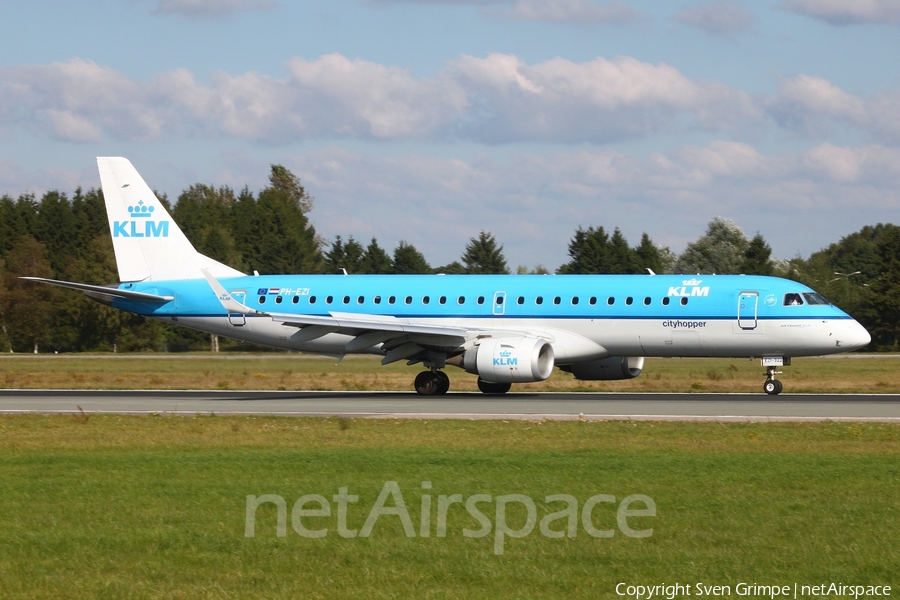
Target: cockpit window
793,300
814,298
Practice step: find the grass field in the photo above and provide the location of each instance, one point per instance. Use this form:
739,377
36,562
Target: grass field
110,506
854,373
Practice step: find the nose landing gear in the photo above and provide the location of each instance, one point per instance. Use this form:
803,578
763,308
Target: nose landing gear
772,386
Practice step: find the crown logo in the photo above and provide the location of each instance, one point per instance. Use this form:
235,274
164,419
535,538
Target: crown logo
691,282
140,211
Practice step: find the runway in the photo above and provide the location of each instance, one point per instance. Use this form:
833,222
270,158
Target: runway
557,406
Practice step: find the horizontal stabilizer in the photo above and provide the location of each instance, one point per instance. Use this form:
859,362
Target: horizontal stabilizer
104,290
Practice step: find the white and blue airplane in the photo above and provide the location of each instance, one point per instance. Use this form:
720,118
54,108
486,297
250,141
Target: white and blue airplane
503,328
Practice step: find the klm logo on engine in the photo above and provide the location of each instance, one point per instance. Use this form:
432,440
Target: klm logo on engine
506,359
141,223
689,287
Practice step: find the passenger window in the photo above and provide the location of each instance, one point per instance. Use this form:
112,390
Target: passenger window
480,300
520,300
443,300
665,301
262,299
556,300
278,299
684,301
499,300
346,299
312,299
593,300
793,300
461,300
329,299
574,300
377,299
629,301
360,300
539,300
408,300
647,301
295,299
425,299
392,299
610,300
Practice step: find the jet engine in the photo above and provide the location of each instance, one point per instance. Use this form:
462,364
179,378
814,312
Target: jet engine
607,369
508,360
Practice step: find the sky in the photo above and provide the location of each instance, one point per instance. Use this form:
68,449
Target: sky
430,120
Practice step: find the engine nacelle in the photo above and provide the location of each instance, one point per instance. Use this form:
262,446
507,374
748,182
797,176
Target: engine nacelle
607,369
508,360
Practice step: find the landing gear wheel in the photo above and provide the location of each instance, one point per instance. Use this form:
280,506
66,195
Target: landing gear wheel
426,383
772,387
489,387
443,382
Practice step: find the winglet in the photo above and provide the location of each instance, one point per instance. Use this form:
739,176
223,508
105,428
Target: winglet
228,303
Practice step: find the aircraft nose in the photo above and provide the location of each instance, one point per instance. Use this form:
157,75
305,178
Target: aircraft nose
855,337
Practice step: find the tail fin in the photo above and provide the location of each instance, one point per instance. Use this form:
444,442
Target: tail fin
149,245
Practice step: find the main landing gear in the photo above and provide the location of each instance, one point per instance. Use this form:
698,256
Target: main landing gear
431,383
490,387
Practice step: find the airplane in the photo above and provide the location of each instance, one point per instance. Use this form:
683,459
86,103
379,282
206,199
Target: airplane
503,328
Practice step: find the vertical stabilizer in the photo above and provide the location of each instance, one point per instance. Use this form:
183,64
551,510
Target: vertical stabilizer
149,245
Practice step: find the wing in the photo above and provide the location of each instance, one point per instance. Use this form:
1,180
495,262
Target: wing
400,338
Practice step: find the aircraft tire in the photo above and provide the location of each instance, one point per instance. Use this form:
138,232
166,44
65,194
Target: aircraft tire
490,387
772,387
426,384
443,382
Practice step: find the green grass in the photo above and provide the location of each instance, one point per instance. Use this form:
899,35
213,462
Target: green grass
154,507
281,371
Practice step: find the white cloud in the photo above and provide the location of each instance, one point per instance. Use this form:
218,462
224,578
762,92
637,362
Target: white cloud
571,11
208,8
845,12
717,17
599,101
496,99
69,126
77,100
533,204
806,103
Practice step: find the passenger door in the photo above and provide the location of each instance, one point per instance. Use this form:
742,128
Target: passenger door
748,304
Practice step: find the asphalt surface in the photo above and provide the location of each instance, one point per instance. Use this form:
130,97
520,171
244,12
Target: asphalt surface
589,406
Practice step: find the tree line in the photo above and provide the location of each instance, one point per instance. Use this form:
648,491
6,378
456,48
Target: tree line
67,238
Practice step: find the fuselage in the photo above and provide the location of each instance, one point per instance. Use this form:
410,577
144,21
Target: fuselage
583,316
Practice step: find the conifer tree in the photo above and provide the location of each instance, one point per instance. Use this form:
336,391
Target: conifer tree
483,256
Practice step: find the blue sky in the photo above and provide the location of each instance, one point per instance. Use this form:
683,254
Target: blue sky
430,120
